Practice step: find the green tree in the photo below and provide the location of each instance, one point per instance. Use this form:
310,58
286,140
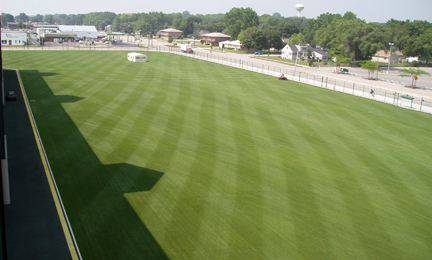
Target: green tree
186,14
297,39
79,19
22,17
177,20
414,73
189,24
49,18
420,46
238,19
116,25
7,18
368,65
286,29
340,58
37,18
273,39
249,37
349,16
269,21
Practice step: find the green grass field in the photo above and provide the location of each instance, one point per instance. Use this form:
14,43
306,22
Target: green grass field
186,159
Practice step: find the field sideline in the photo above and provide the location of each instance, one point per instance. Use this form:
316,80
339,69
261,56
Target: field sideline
185,159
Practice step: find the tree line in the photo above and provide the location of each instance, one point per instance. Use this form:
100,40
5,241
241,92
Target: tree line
345,36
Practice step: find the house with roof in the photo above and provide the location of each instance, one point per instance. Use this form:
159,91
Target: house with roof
169,32
385,56
235,45
292,51
215,38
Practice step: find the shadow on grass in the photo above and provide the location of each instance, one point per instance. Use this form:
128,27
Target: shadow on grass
104,223
68,98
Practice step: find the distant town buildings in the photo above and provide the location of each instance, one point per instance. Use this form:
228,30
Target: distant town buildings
215,38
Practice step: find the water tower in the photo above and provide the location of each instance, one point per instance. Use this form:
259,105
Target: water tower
299,8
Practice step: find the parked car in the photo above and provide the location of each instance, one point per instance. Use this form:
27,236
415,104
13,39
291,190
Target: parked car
11,95
80,42
260,52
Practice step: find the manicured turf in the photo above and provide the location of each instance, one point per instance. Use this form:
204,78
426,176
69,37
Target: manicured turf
187,159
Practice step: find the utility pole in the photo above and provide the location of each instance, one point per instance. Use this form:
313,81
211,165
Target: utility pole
388,68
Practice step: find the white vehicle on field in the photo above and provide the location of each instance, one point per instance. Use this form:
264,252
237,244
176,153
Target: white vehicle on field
186,48
137,57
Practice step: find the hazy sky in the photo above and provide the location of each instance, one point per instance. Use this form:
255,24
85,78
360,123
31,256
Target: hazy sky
369,10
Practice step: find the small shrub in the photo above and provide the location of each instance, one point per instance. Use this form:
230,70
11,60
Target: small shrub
170,39
414,63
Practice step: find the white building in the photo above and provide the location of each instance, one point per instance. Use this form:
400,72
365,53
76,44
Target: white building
236,45
13,37
81,31
291,52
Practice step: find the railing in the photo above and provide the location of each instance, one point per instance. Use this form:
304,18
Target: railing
390,96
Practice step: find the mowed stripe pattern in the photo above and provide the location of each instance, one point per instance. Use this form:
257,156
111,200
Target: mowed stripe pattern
253,168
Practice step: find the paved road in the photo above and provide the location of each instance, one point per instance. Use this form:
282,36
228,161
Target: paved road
129,44
393,75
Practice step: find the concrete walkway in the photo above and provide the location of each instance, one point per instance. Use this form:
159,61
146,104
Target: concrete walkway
33,227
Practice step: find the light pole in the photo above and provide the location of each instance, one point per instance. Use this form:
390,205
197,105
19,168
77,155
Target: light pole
388,68
295,67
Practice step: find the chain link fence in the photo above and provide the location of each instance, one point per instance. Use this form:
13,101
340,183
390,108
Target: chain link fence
414,102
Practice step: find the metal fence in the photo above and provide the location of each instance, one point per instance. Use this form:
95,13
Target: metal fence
414,102
405,100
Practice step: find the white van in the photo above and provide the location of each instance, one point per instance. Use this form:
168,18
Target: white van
137,57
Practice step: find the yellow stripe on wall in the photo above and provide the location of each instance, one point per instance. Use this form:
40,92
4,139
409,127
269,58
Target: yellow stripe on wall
50,181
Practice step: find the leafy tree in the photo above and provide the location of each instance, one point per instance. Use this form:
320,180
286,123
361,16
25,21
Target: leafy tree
186,14
238,19
99,19
79,19
414,73
22,17
246,38
49,18
349,16
368,65
7,18
286,29
116,25
252,37
268,21
418,45
297,39
37,18
177,21
394,31
278,15
340,58
188,25
273,39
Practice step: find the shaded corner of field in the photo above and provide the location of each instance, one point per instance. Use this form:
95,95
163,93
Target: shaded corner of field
104,223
